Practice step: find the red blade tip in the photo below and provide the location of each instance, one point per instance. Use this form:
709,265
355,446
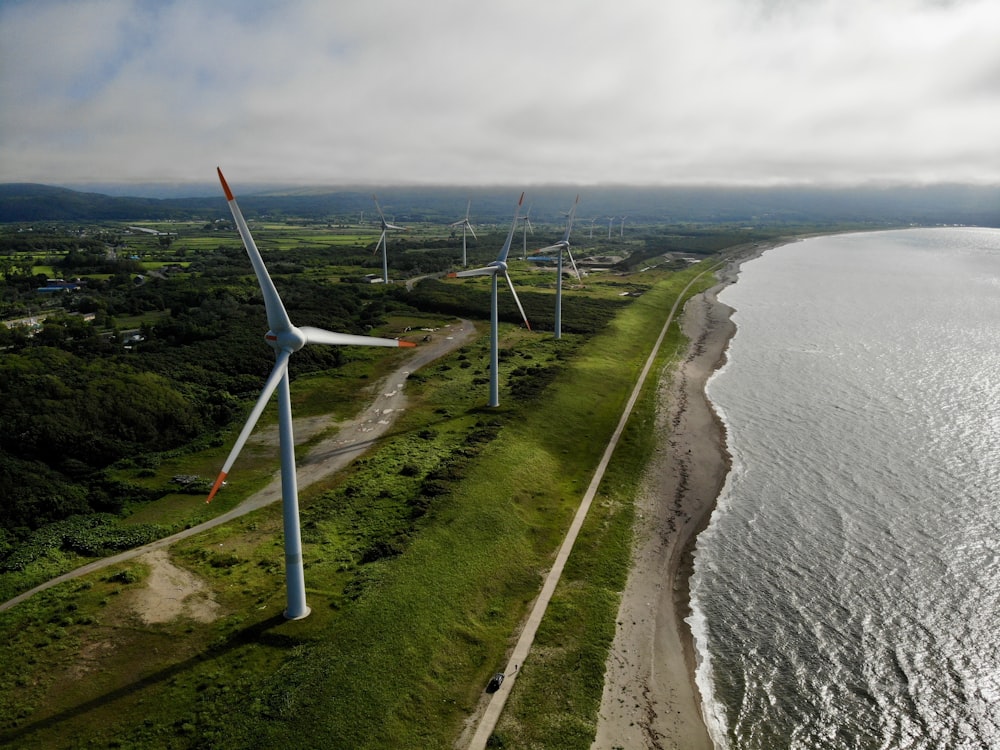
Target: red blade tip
225,186
217,485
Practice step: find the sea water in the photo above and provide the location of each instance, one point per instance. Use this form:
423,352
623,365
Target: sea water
847,590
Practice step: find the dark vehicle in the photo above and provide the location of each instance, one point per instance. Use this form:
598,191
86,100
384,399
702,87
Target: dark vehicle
495,682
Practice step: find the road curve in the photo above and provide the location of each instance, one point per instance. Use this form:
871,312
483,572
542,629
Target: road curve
329,456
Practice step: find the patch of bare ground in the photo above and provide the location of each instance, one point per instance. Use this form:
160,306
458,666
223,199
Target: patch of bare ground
171,592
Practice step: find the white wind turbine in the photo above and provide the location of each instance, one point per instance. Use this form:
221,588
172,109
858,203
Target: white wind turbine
592,222
611,220
386,226
466,226
493,270
622,230
559,247
286,339
526,227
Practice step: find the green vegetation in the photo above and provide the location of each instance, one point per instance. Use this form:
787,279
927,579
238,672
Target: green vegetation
421,557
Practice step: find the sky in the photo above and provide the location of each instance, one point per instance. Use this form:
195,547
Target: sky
506,92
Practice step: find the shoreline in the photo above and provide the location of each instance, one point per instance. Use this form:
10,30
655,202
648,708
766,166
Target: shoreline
650,697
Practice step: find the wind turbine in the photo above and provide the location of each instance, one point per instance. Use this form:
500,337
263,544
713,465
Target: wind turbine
611,220
622,231
464,223
493,270
526,227
286,339
386,226
559,246
592,222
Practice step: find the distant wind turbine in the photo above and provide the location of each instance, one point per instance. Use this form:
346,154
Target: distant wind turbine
494,269
611,220
286,339
466,226
622,230
526,227
386,226
592,222
560,246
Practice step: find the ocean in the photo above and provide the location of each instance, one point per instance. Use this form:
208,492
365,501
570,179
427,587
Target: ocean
847,589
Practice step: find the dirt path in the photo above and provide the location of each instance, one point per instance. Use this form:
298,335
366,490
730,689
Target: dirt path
329,456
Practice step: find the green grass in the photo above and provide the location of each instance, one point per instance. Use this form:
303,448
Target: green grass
555,701
421,560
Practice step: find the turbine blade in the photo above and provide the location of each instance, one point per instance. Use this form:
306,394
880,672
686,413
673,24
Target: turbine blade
277,373
381,216
277,317
470,228
484,271
502,257
575,269
549,248
321,336
569,220
511,285
381,240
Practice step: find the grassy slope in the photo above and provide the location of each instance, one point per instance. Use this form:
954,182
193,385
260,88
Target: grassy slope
397,649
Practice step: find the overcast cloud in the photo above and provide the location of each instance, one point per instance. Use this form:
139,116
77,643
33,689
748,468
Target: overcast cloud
506,92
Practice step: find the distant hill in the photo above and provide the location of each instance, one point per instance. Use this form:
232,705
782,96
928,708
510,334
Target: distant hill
938,204
31,202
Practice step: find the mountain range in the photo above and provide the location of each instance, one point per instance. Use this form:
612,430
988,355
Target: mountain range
935,204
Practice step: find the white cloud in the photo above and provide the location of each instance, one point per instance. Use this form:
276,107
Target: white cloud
444,91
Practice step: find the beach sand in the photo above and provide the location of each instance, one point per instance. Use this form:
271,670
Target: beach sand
650,698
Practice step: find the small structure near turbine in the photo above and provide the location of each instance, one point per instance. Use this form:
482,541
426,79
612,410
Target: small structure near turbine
286,339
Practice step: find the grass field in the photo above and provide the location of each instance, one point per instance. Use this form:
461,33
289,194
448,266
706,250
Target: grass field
421,560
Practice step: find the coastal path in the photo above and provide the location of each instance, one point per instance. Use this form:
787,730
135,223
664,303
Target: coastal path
497,701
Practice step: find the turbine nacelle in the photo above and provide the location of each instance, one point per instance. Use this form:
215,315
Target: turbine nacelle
289,340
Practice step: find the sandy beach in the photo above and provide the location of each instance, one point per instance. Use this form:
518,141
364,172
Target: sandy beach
650,698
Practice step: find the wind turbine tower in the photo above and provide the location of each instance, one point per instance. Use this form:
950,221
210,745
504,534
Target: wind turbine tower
611,220
386,226
466,226
559,247
622,230
494,269
286,339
